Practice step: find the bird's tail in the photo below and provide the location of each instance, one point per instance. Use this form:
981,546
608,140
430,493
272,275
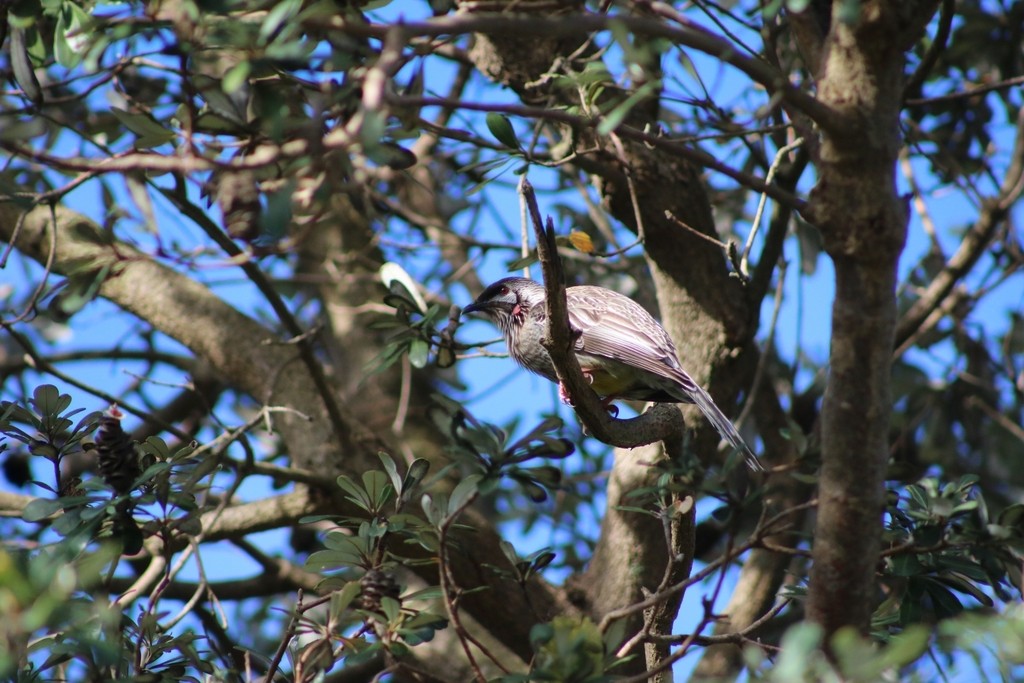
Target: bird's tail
696,394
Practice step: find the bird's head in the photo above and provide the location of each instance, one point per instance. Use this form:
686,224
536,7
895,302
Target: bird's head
507,300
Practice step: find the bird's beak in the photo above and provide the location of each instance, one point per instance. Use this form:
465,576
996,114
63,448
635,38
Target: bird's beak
475,307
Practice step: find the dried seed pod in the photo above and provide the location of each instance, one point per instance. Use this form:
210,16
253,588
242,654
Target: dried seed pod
377,584
118,460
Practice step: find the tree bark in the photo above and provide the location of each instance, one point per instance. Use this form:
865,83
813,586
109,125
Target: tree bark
272,373
863,221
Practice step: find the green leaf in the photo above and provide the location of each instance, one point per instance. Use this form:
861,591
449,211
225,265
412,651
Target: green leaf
331,559
616,116
150,133
524,262
417,471
906,565
536,493
419,352
541,634
41,508
545,475
157,447
542,560
615,635
236,77
392,470
71,35
463,494
278,17
502,130
944,600
428,593
1012,516
963,585
421,628
46,400
433,508
21,62
905,647
399,282
313,519
22,130
377,489
799,645
277,216
392,155
346,550
356,494
63,53
80,289
391,608
340,600
510,552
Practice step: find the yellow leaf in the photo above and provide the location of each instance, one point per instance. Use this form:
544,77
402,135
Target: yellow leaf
581,241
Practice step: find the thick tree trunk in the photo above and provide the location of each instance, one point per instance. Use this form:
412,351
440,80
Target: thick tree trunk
863,221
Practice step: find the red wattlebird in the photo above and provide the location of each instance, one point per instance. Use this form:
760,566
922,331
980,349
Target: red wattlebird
622,350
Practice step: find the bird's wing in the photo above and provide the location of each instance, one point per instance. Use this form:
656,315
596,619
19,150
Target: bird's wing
614,326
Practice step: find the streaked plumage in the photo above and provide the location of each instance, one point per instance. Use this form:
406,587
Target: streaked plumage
622,350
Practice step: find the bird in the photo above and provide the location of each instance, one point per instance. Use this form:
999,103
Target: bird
623,351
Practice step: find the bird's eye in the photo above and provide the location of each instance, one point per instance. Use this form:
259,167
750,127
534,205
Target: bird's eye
503,291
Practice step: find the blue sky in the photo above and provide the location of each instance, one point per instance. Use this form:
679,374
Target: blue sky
497,391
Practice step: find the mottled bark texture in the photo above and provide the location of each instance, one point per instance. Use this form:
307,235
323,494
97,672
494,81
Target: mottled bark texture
863,221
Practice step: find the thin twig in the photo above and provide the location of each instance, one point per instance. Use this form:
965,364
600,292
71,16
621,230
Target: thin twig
286,638
291,325
765,528
42,365
762,361
697,233
666,580
755,226
405,391
524,230
448,587
30,305
973,92
927,224
154,569
734,637
690,35
638,215
696,155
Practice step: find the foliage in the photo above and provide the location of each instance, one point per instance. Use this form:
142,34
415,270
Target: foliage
238,233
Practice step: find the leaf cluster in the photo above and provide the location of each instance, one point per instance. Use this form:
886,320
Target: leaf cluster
486,450
943,544
370,547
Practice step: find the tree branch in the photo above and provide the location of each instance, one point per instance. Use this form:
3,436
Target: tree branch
571,25
655,425
975,242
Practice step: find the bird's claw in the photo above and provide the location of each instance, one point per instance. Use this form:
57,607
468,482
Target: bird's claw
564,395
606,403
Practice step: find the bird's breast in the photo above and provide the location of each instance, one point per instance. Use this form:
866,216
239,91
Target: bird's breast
608,378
